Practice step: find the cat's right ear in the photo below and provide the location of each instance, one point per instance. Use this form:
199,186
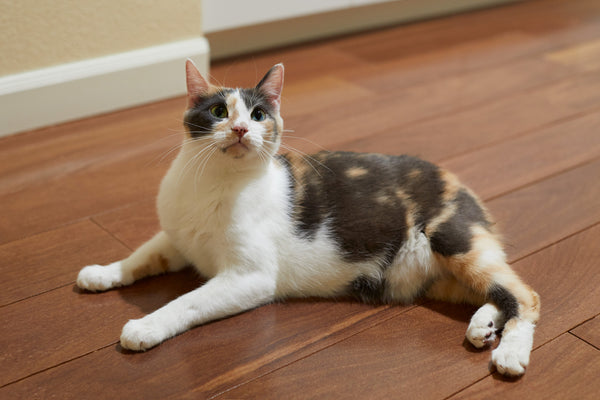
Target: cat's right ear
272,84
196,84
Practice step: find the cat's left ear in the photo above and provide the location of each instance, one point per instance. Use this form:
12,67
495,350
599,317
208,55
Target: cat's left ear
272,85
196,84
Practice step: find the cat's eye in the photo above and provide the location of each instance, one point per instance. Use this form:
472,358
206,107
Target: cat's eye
219,111
258,115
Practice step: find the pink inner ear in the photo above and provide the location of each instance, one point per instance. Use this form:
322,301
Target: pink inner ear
272,84
196,84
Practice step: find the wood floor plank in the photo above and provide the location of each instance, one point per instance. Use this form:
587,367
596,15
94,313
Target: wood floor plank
589,331
566,368
102,186
133,224
57,151
389,118
507,45
49,260
430,36
324,58
585,56
564,275
92,165
514,163
450,135
306,97
204,361
63,324
440,95
544,213
400,358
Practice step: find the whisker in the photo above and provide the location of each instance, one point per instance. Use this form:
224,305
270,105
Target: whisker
192,160
307,158
202,165
305,139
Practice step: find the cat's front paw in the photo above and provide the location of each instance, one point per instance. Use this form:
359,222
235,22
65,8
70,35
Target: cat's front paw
97,277
141,334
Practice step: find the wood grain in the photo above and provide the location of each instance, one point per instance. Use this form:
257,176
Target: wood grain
207,360
400,358
52,259
133,224
563,369
530,157
96,166
450,135
63,324
564,275
544,213
589,331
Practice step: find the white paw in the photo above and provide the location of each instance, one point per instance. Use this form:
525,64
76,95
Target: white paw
512,355
142,334
98,277
484,324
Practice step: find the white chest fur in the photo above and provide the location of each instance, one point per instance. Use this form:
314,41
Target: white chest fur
226,217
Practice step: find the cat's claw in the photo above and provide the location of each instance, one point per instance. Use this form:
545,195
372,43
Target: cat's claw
141,335
98,278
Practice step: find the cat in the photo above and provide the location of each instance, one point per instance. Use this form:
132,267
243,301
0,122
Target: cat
262,226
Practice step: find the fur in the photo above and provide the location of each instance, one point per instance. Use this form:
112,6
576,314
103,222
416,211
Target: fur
261,226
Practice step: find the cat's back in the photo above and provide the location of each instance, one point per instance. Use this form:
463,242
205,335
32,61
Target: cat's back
370,202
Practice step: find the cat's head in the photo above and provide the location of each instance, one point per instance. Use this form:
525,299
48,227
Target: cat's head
238,124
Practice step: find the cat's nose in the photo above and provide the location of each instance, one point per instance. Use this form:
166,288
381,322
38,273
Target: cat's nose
240,130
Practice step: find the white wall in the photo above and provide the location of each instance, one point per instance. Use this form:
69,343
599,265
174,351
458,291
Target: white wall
67,59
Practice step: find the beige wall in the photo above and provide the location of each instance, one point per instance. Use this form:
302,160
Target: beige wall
41,33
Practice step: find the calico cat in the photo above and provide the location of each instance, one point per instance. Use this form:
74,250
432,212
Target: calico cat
262,226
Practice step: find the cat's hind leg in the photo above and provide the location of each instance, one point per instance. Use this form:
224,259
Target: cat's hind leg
483,269
154,257
486,321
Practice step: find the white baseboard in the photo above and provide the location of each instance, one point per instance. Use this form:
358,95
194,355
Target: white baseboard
65,92
364,15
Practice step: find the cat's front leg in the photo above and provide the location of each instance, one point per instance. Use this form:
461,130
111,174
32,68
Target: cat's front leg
154,257
226,294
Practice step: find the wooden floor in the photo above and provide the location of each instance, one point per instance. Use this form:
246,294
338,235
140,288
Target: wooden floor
508,98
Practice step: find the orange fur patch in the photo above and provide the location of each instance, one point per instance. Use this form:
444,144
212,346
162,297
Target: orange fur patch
356,172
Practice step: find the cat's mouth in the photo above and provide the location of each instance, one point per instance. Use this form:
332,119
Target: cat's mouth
237,149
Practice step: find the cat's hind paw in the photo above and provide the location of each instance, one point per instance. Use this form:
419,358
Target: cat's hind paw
141,334
484,324
97,277
511,357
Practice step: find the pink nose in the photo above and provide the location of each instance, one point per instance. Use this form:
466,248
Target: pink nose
240,131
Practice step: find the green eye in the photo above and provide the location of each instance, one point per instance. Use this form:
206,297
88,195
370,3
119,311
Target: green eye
219,111
258,115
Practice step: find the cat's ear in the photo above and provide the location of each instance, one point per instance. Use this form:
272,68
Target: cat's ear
196,84
272,85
